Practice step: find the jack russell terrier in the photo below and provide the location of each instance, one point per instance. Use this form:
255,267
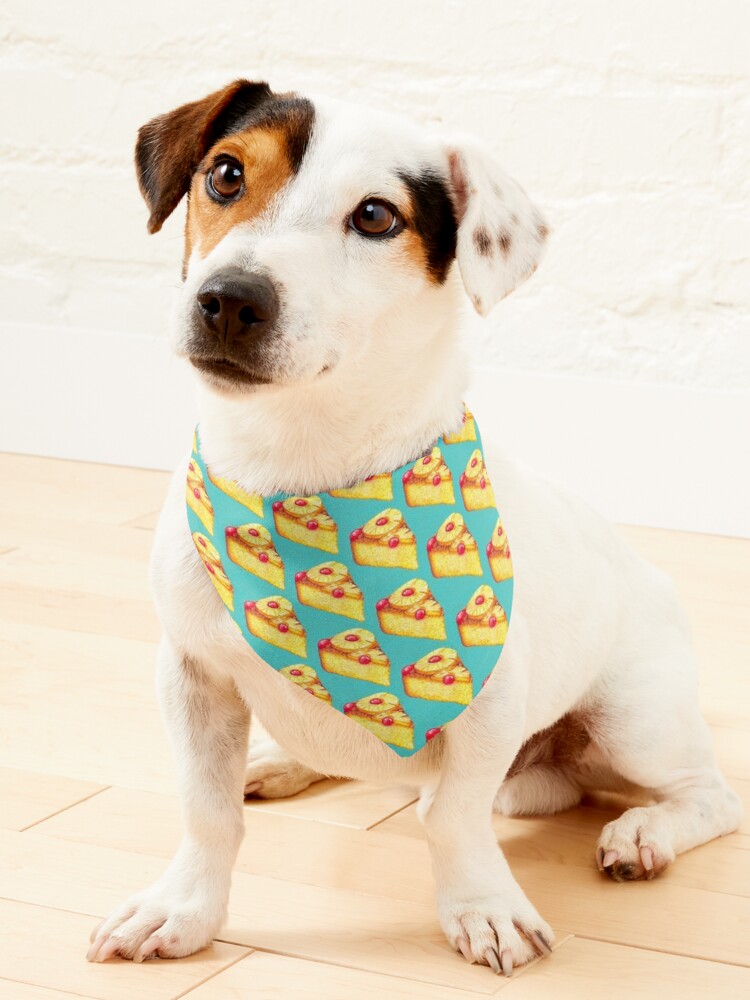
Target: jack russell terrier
320,308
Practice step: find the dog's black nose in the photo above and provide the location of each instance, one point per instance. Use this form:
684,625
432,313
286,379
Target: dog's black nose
233,304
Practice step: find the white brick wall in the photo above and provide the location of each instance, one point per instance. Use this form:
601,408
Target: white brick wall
628,121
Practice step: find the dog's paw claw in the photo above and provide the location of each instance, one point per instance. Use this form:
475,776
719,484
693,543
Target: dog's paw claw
637,845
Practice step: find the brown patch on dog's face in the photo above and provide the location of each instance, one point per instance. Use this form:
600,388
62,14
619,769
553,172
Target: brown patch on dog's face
263,154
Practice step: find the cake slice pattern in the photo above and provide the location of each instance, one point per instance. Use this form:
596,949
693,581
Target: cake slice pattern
388,600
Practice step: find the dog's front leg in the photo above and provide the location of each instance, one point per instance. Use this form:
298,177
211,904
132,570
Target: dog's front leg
483,910
184,909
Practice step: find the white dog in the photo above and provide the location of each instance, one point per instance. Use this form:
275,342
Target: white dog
320,308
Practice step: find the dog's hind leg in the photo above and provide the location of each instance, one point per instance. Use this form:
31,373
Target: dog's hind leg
652,733
183,910
272,774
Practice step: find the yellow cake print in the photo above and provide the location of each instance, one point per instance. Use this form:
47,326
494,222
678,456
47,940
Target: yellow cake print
212,561
329,587
452,550
467,431
252,501
428,481
383,715
476,488
483,621
438,676
355,653
306,678
273,620
250,546
411,610
197,498
306,521
385,540
377,487
498,554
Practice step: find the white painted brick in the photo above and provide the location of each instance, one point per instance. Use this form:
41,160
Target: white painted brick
629,123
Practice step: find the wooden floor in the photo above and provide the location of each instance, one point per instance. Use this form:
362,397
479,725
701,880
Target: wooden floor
332,895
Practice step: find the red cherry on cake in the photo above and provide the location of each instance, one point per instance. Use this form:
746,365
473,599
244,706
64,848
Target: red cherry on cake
393,542
364,659
197,493
349,707
253,532
191,467
419,614
436,480
499,531
406,476
249,605
277,505
492,621
263,557
450,526
449,679
376,701
489,548
461,617
324,643
354,535
295,672
312,525
299,502
351,637
408,669
368,478
382,520
300,576
460,548
431,543
462,479
382,603
426,460
432,733
203,542
473,463
325,570
283,627
407,591
479,599
338,592
273,604
387,720
482,482
435,659
210,569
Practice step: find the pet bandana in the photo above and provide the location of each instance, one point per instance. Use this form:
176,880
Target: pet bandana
388,600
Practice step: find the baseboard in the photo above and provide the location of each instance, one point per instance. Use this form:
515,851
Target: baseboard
657,455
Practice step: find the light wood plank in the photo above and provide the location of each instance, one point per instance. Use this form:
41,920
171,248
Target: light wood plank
27,991
27,798
45,948
275,977
584,968
338,926
147,522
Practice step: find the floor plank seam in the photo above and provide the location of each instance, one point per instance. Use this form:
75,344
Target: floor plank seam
666,951
219,972
70,805
394,813
56,989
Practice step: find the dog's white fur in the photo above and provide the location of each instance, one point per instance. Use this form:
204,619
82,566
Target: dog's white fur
369,372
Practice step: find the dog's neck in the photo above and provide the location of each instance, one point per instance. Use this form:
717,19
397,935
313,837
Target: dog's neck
333,431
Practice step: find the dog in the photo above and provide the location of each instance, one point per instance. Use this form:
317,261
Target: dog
327,251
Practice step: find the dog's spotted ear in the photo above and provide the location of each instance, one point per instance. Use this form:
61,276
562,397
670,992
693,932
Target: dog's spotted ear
170,147
501,234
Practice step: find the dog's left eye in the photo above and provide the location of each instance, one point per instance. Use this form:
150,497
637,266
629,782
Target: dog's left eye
224,182
374,217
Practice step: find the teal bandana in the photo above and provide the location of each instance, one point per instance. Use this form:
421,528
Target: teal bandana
389,600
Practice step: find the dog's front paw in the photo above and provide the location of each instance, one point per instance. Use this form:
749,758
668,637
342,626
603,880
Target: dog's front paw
272,774
499,931
636,845
156,924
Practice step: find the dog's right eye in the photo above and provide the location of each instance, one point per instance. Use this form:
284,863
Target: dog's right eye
224,180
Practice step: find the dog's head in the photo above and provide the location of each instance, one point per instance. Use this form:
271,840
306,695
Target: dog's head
318,231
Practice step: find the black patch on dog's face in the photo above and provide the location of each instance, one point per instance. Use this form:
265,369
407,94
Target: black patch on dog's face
434,220
290,114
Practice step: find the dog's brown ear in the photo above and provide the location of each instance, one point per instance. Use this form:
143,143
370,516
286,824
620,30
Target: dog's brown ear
170,147
501,234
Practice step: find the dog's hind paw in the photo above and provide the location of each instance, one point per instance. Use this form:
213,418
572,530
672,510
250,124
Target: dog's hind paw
272,774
